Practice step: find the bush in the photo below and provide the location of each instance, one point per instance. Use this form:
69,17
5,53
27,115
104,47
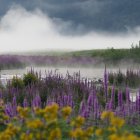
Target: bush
30,78
111,78
120,78
17,82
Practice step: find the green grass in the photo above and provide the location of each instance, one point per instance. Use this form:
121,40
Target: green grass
110,54
133,129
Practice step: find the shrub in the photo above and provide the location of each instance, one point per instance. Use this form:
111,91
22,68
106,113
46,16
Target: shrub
30,78
17,82
120,77
111,78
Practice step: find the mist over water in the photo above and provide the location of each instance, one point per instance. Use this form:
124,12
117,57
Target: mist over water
88,72
21,30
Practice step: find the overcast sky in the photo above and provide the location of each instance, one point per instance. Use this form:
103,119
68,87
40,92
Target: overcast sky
27,25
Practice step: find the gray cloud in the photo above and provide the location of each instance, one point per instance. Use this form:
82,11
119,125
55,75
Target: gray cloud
86,15
24,30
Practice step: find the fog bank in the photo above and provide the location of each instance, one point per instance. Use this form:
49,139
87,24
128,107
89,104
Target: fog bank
21,30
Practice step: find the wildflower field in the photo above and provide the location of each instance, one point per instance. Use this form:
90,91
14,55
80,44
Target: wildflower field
67,108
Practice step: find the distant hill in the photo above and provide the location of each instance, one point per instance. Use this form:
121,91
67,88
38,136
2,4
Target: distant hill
111,54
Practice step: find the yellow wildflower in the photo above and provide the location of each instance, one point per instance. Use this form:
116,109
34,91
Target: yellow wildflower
4,136
66,111
114,137
26,136
117,122
23,112
1,102
77,133
50,117
39,111
132,137
55,134
52,108
78,122
34,124
55,107
12,130
38,136
89,131
112,129
99,132
107,115
5,117
51,112
9,132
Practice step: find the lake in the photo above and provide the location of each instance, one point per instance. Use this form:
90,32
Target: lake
85,72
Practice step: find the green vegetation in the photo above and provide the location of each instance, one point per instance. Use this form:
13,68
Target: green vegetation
30,78
17,82
131,78
112,54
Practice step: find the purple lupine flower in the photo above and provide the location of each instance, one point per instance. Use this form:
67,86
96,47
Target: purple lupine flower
82,107
8,110
70,101
90,101
96,108
14,102
58,100
112,102
36,101
27,132
14,106
110,105
1,95
106,84
49,102
138,102
85,113
25,103
127,96
65,99
107,105
72,104
120,99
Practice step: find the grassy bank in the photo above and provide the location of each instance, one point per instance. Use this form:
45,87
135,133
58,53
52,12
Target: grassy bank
111,54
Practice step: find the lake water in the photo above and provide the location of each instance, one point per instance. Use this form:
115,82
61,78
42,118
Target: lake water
90,73
85,72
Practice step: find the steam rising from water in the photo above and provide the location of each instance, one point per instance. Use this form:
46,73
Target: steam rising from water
21,30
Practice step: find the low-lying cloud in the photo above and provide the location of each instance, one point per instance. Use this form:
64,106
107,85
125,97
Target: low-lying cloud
21,30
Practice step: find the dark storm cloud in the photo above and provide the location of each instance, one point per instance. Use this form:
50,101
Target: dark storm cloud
86,15
24,27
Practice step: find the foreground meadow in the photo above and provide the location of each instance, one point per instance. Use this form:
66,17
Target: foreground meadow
67,108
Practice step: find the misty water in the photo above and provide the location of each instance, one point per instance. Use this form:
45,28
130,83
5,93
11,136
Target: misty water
89,73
